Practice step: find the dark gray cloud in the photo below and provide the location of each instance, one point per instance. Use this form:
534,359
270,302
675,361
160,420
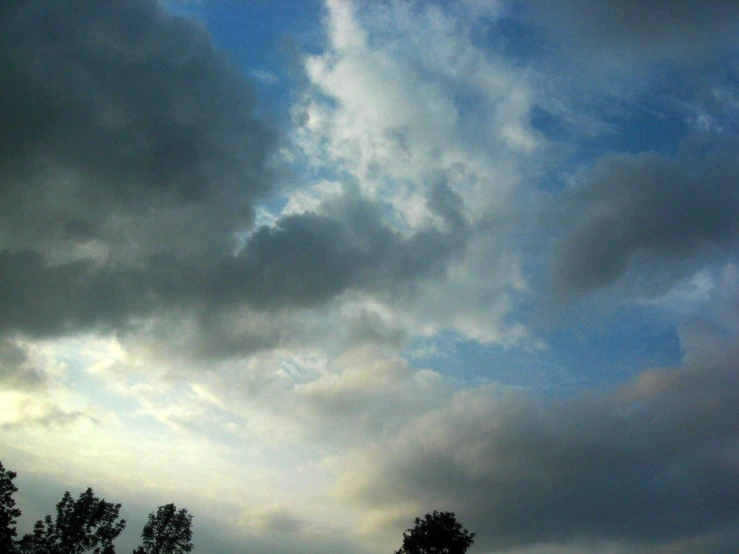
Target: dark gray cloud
639,29
302,261
310,257
130,159
652,463
116,113
644,221
17,370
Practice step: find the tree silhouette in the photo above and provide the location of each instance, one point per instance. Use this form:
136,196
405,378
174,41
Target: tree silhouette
167,532
86,525
8,511
437,533
89,525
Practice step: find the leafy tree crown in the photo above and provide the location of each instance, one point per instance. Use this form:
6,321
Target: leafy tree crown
8,512
86,525
168,531
436,533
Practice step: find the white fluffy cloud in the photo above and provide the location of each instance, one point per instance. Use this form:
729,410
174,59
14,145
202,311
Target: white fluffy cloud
403,99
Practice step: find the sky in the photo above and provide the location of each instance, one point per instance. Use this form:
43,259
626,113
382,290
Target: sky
313,269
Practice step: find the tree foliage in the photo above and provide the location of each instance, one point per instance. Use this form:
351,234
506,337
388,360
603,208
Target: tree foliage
167,532
89,525
86,525
436,533
8,511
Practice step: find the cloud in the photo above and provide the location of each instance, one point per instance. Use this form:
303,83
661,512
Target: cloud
369,395
405,97
602,63
128,140
309,257
644,222
274,519
43,414
303,260
648,463
635,29
403,94
335,401
246,340
134,157
121,118
32,389
17,370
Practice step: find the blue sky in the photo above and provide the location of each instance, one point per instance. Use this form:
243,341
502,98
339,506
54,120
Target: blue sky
314,269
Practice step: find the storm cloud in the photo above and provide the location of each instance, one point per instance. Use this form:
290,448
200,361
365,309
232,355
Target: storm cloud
645,221
301,261
113,111
659,29
17,369
131,158
648,463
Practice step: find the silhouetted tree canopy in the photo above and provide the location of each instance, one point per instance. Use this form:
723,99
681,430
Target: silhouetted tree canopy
8,511
436,533
86,525
167,532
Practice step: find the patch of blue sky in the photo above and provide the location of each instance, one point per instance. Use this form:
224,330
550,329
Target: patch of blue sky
82,381
649,124
576,357
508,36
265,39
261,38
676,105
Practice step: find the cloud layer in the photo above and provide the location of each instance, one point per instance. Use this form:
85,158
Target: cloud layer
656,29
646,221
305,329
134,158
642,464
